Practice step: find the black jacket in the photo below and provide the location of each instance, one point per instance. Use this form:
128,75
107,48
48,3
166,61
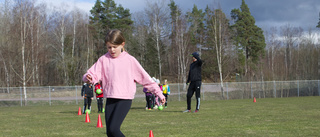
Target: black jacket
195,70
87,90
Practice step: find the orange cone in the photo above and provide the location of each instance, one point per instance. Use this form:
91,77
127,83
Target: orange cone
87,118
79,111
99,124
254,100
151,133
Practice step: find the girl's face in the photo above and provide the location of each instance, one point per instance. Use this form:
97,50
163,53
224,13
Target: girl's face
114,50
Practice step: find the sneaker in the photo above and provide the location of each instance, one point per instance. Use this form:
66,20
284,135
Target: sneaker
186,111
195,111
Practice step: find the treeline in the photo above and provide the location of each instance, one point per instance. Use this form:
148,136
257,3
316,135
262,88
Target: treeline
42,45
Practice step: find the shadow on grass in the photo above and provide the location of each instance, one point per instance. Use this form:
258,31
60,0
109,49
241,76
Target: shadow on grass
69,112
138,108
156,110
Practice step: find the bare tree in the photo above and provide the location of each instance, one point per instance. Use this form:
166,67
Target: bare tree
273,43
5,15
159,26
61,19
182,42
23,15
140,34
219,36
290,35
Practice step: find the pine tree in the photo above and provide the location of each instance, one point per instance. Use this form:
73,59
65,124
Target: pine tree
196,20
105,16
248,37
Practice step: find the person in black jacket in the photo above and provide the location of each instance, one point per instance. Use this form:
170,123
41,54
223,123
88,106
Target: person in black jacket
194,78
87,94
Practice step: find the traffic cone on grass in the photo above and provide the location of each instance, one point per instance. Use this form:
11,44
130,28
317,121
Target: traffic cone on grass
254,100
99,123
151,133
79,111
87,118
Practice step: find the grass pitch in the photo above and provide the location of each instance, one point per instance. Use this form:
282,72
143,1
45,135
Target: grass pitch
299,116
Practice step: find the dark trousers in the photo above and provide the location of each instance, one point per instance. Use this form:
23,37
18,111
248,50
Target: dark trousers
100,104
115,113
153,100
87,102
166,95
194,86
149,101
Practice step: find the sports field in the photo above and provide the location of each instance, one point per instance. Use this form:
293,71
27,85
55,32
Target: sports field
296,116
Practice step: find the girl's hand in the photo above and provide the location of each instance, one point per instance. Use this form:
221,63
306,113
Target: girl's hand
89,78
163,101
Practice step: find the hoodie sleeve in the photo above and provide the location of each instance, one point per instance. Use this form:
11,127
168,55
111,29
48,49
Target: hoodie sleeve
143,78
94,71
199,61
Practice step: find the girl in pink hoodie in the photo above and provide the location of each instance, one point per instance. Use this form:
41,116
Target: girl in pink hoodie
119,73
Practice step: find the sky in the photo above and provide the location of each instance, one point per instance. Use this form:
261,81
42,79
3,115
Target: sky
267,13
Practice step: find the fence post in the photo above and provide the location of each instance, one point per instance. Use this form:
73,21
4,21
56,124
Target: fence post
21,96
179,90
76,94
318,89
227,91
49,95
201,91
275,89
298,87
251,89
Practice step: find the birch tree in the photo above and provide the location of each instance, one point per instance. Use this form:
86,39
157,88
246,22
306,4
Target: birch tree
218,35
140,33
182,42
61,20
23,9
273,45
289,35
158,20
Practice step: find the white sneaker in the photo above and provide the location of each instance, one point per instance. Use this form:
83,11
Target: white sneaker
186,111
155,107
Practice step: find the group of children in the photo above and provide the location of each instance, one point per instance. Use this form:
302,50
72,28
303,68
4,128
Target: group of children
152,101
87,94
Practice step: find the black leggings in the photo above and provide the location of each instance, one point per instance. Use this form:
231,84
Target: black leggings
166,95
100,104
87,102
149,101
115,113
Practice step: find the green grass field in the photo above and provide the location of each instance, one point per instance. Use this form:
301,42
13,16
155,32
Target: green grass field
267,117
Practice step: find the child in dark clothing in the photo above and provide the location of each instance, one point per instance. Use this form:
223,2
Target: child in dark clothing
148,98
87,94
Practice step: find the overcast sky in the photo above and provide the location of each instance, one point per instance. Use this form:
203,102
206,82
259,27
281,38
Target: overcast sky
267,13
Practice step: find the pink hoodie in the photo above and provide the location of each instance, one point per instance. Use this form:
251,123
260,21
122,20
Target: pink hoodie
119,76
